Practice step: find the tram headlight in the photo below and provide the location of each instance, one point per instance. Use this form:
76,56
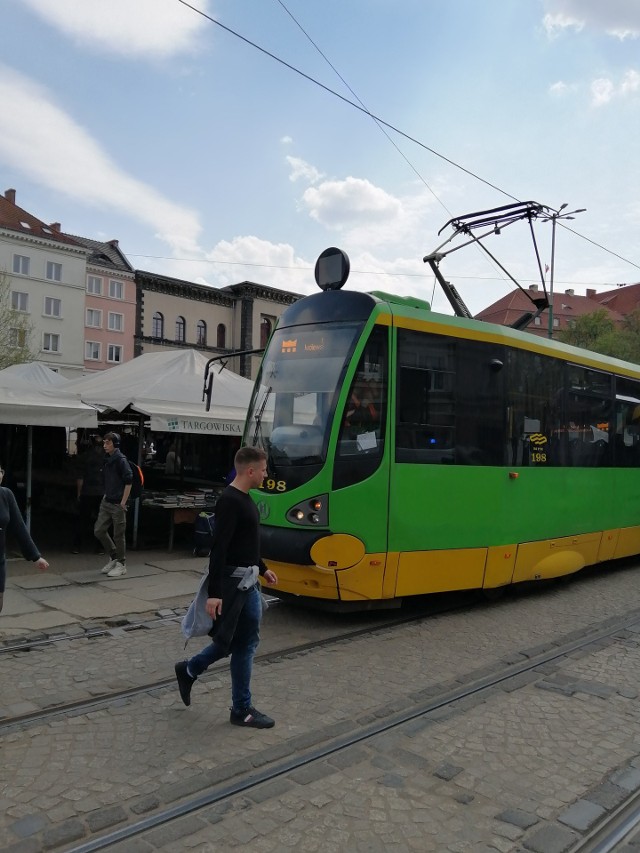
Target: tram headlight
311,512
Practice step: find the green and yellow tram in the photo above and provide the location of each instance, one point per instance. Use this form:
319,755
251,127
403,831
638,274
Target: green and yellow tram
411,452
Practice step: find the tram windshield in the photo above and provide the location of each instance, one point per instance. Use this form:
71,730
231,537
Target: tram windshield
294,401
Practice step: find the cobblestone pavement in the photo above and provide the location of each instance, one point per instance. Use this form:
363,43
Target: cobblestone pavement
526,767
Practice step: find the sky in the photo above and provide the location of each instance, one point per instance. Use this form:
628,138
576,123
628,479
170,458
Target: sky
230,140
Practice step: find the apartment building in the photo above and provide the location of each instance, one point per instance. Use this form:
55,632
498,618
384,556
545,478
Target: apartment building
90,310
46,271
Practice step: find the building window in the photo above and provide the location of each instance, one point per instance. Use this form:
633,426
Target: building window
116,289
54,271
17,338
19,301
157,325
180,329
201,333
537,321
266,327
114,353
92,350
556,322
116,322
221,336
52,307
94,285
20,265
50,342
94,318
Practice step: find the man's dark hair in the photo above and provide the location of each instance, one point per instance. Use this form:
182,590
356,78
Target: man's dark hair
248,456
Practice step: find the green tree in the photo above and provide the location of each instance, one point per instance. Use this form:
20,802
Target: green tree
15,329
599,333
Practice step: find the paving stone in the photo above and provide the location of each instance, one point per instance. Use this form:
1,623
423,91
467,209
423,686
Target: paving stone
518,818
29,825
104,818
550,839
64,833
582,815
628,779
447,771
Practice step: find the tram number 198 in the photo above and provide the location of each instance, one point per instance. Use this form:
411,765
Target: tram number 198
537,456
270,485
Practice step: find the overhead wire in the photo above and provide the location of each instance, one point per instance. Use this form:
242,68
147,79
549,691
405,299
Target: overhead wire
380,121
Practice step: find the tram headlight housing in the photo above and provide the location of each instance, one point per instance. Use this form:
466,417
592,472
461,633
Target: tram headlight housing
313,512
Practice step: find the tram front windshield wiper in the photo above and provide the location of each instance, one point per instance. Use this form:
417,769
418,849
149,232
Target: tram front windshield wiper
258,418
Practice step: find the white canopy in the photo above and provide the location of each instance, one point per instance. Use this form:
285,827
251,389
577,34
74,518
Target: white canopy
167,386
24,400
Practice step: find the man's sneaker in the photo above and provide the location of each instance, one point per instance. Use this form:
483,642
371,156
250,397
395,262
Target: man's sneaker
118,570
185,681
110,565
251,718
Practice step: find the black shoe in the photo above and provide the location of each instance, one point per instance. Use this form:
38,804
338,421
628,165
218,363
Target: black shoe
185,681
251,718
75,550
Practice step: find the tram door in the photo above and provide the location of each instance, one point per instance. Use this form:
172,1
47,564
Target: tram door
359,500
448,450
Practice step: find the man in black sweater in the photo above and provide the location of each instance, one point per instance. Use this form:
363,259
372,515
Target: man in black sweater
234,602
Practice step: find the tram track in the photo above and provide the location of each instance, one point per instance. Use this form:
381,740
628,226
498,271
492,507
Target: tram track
623,825
625,820
104,700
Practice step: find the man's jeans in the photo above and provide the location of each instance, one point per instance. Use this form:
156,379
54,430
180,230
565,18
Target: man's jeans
117,514
243,648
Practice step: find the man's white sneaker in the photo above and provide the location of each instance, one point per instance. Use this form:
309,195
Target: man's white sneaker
118,571
110,565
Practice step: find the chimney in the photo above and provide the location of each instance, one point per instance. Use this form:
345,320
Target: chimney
590,293
533,287
55,227
570,292
10,195
114,243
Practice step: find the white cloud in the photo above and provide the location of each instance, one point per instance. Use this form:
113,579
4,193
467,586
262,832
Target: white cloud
302,169
337,204
630,83
560,89
620,18
35,133
148,28
604,90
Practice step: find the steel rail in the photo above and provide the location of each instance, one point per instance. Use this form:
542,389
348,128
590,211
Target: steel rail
337,744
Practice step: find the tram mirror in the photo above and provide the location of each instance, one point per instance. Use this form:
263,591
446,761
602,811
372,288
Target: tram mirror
332,269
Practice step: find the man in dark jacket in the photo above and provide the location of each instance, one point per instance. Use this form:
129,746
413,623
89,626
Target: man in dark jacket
235,603
11,519
118,477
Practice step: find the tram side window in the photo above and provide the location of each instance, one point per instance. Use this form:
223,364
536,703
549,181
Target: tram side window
588,413
627,424
363,421
535,433
425,401
363,424
480,418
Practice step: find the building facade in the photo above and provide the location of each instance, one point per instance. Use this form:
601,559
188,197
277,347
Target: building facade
46,270
89,309
567,307
110,306
172,312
